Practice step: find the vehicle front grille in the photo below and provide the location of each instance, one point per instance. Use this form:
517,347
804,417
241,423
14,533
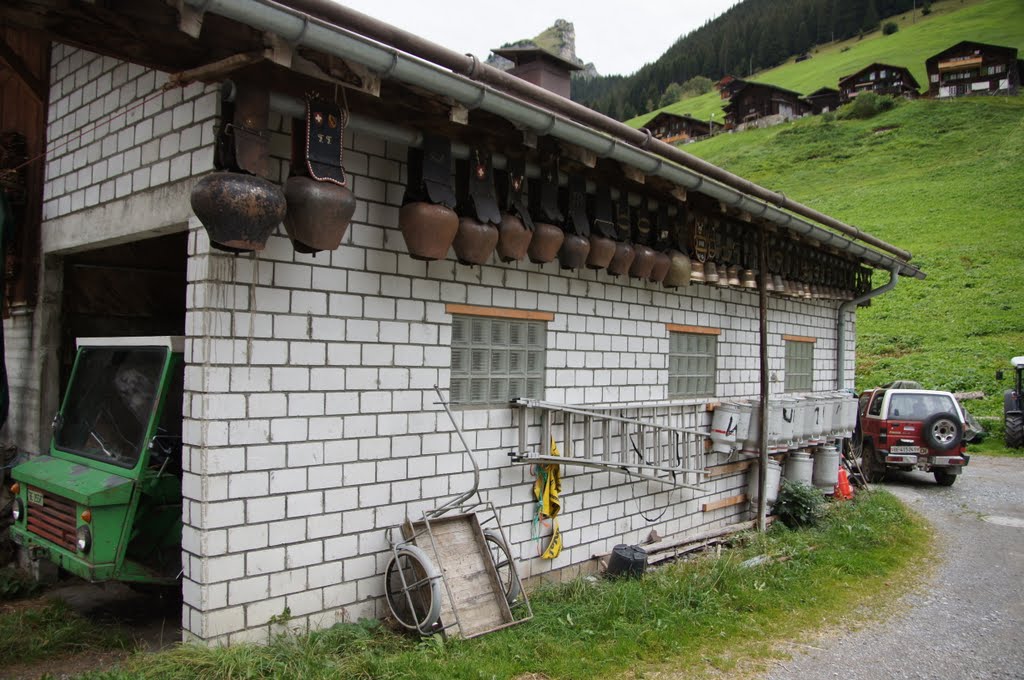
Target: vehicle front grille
54,520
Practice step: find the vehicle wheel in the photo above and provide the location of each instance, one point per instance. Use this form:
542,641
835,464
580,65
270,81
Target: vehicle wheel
942,431
502,558
870,465
1014,430
413,589
943,478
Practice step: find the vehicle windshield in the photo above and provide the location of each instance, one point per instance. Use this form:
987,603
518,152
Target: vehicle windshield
919,406
110,402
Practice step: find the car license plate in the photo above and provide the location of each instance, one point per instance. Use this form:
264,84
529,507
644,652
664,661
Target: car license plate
904,449
35,497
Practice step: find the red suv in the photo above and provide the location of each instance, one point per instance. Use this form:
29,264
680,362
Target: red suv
911,429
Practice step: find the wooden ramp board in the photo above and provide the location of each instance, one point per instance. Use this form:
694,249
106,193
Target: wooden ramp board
465,561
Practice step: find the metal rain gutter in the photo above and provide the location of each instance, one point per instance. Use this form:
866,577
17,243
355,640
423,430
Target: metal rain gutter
301,29
841,323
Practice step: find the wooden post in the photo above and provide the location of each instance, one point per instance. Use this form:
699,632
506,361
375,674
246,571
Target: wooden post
762,467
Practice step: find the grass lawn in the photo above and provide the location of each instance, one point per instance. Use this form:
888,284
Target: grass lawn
700,617
998,22
941,179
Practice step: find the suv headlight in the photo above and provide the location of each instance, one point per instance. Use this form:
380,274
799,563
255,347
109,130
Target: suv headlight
84,541
18,511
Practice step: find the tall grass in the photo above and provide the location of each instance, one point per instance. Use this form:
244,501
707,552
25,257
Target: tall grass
30,633
706,615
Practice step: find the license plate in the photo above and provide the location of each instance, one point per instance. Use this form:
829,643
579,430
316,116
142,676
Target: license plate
35,497
904,449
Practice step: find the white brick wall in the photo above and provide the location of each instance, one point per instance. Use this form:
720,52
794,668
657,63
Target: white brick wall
323,432
111,132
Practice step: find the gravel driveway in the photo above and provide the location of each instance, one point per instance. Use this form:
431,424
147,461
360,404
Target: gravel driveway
968,621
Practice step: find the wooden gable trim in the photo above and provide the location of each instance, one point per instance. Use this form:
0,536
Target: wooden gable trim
35,85
498,312
700,330
799,338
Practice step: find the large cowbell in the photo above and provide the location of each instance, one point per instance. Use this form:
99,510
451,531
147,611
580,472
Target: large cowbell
320,205
239,206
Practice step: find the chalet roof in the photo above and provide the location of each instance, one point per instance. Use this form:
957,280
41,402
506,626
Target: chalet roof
822,92
525,53
398,86
970,44
907,75
747,84
666,115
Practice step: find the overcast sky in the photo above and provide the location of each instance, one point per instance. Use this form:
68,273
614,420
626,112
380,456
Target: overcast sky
618,37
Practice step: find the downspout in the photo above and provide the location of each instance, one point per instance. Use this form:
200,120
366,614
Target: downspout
894,275
467,83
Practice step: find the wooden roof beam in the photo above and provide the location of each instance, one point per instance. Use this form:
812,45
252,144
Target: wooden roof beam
35,85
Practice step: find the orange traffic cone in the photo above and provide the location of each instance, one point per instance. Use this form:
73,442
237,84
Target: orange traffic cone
843,489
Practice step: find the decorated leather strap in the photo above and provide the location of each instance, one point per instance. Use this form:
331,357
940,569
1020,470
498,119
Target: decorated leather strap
480,187
548,194
517,201
701,237
430,172
325,127
662,229
603,224
576,221
623,219
642,230
249,129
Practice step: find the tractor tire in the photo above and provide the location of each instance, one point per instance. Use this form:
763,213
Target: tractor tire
1014,430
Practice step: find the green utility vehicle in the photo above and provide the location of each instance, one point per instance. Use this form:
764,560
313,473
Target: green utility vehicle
105,504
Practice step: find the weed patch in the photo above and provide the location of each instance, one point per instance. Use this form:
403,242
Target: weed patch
34,631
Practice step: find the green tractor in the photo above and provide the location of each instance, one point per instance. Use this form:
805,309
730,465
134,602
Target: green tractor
1013,406
105,504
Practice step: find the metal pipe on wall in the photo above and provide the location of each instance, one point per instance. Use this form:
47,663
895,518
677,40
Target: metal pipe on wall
841,323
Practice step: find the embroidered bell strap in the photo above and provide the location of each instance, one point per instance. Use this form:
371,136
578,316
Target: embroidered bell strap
325,128
601,209
701,238
518,201
249,129
642,229
547,196
623,219
662,228
480,187
577,222
436,174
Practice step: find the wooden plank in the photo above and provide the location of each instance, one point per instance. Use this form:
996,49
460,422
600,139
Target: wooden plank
799,338
727,469
724,503
701,330
499,312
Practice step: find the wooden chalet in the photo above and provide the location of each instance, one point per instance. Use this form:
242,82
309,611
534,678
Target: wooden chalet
974,68
883,79
729,84
672,127
823,99
765,103
540,67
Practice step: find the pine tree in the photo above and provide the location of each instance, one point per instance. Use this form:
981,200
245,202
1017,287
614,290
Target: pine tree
871,20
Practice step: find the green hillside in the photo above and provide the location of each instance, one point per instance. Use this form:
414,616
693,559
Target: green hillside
999,22
943,179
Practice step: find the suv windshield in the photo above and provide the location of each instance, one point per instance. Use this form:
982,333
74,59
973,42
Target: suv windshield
109,403
919,406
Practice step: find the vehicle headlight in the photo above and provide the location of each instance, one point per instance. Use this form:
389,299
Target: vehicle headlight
18,511
84,541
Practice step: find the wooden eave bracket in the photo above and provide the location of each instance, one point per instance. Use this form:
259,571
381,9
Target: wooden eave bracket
190,19
36,86
579,154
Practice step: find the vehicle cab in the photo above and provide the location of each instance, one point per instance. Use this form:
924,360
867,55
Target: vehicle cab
105,503
912,429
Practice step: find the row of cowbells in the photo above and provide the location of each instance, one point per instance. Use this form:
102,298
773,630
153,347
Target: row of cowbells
240,207
793,422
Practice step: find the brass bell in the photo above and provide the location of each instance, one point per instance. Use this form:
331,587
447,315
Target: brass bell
710,272
734,275
696,270
749,279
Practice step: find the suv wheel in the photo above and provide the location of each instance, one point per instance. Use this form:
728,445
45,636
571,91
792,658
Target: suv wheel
870,465
942,431
943,478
